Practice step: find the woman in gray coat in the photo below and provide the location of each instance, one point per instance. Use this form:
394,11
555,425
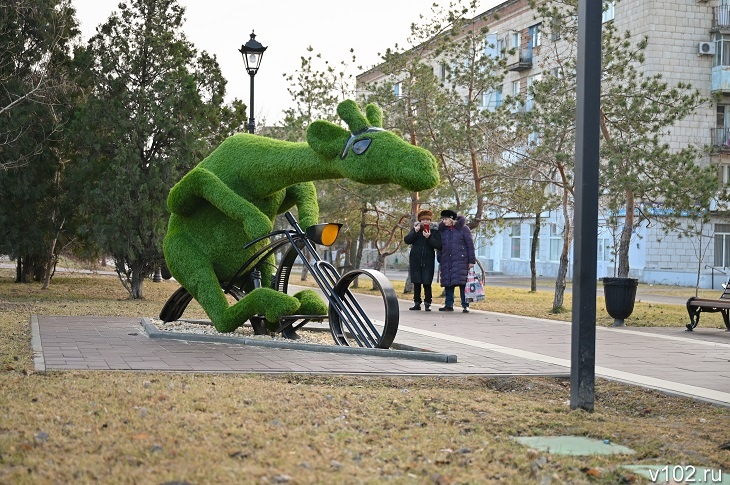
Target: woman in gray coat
456,257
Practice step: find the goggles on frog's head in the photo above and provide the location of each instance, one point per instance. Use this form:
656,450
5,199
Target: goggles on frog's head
360,146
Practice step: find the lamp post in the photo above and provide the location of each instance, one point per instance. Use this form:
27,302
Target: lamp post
252,52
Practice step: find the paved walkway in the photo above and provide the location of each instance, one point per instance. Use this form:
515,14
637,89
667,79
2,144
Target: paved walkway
695,364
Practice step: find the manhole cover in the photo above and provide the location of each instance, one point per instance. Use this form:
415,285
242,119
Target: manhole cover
572,445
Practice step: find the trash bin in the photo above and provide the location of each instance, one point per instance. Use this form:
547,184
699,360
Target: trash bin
620,294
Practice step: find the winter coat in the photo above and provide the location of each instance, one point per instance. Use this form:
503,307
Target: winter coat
457,253
423,252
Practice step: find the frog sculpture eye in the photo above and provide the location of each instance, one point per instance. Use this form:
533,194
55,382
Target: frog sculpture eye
360,146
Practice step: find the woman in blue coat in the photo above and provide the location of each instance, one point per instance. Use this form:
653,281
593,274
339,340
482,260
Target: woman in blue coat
424,240
456,257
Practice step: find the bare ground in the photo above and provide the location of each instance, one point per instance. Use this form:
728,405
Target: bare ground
131,427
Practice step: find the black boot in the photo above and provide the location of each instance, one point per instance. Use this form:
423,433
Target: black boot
428,307
416,307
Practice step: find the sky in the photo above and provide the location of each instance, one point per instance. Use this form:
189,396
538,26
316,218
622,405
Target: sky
286,28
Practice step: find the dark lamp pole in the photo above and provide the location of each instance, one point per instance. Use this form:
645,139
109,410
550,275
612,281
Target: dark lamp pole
252,52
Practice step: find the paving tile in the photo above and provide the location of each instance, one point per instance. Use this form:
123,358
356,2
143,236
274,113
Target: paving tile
484,343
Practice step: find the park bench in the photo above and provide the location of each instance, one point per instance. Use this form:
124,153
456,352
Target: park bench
695,306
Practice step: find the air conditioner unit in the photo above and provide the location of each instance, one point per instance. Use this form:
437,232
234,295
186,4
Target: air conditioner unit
706,48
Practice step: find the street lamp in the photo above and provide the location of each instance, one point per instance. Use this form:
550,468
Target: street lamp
252,52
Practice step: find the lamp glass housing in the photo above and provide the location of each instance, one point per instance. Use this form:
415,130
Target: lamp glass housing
252,52
324,234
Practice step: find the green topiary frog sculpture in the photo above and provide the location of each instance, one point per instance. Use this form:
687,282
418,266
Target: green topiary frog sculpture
233,196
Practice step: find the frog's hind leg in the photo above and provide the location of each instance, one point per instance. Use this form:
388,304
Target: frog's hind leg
197,276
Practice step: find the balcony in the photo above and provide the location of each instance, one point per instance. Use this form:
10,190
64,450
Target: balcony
521,60
720,80
721,18
721,140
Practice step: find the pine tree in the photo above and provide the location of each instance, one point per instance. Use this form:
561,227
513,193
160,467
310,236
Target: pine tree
154,109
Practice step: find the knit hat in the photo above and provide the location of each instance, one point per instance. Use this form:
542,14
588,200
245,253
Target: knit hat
448,213
425,214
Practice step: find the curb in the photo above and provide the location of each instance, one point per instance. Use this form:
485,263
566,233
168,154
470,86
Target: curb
35,343
400,351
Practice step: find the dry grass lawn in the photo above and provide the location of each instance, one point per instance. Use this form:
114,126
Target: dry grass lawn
132,427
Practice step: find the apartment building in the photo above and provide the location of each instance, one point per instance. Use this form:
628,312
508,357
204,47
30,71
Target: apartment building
688,41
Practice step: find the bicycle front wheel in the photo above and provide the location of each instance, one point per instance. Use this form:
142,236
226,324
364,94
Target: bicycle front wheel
366,320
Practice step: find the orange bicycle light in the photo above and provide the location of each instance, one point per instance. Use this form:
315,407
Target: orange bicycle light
324,234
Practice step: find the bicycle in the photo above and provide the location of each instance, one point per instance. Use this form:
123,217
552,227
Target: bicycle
348,321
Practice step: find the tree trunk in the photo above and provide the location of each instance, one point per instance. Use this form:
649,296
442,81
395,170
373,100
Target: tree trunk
38,269
560,281
563,266
28,270
51,260
380,262
49,264
305,270
355,256
701,258
347,262
415,206
137,282
533,254
360,244
625,240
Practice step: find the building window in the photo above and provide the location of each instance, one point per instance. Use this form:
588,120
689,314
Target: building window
517,106
555,29
516,239
722,245
556,243
530,81
492,100
722,125
722,14
397,89
610,11
534,34
722,50
442,72
501,46
724,174
514,41
605,249
491,46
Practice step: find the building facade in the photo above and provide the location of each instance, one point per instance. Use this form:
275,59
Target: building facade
688,42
